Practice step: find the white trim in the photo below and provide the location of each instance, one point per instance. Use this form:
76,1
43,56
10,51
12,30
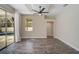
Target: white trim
33,37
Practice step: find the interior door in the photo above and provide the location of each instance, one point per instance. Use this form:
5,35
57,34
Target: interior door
49,28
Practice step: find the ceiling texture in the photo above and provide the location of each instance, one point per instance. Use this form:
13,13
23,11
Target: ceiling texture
53,9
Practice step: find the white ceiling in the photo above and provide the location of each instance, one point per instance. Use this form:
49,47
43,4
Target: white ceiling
53,9
21,8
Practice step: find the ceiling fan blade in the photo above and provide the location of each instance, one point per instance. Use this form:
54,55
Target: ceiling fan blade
65,5
42,10
40,6
35,10
45,12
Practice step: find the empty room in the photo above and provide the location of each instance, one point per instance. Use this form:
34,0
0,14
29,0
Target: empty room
39,28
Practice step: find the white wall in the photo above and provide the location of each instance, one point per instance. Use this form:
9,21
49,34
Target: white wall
39,27
17,27
67,26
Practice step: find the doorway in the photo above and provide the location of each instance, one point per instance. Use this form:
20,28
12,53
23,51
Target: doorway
49,28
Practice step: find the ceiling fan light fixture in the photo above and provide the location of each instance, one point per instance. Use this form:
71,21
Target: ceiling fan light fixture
39,14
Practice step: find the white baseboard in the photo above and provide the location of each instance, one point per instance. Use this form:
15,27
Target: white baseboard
33,37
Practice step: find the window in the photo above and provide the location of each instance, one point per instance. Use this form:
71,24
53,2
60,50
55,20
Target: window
28,24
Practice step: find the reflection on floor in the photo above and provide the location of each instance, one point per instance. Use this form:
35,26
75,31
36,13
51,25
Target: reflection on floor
39,46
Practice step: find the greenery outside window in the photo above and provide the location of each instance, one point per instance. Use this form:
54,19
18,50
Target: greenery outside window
28,24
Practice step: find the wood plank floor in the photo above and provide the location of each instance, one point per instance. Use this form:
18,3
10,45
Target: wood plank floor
39,46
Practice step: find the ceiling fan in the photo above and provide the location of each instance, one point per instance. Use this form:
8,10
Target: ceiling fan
41,10
65,5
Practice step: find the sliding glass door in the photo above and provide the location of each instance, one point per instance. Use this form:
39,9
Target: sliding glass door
2,29
10,28
6,28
